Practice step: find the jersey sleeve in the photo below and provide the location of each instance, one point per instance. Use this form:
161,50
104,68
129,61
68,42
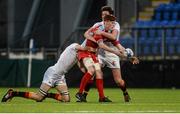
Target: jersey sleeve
115,43
94,28
117,26
98,38
96,24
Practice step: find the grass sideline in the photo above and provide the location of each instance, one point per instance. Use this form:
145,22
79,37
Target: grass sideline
143,101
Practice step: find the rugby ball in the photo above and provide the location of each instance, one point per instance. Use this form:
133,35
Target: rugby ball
128,53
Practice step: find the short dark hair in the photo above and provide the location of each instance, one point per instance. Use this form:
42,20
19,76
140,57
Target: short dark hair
109,18
107,8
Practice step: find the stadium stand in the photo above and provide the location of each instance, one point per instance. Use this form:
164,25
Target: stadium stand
165,23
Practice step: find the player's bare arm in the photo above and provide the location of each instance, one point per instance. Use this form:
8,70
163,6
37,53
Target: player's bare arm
111,36
105,47
88,35
79,47
120,47
133,59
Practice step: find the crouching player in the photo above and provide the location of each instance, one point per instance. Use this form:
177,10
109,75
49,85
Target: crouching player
53,77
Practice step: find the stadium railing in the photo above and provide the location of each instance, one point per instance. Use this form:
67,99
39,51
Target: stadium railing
147,42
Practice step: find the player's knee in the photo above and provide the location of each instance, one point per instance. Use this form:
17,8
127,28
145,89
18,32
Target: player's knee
120,82
99,74
40,98
66,98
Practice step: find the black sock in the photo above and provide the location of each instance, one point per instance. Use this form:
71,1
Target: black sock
20,94
54,96
87,88
123,87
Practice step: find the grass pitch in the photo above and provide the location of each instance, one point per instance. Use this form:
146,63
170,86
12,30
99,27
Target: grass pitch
142,100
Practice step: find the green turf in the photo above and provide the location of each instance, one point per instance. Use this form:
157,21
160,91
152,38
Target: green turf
143,100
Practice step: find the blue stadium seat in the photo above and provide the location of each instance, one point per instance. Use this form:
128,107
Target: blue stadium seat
150,38
166,15
141,41
143,33
156,46
158,16
177,32
160,8
177,44
175,15
173,22
178,49
169,32
145,46
173,45
173,32
140,24
159,11
164,23
170,44
156,23
159,32
175,12
152,32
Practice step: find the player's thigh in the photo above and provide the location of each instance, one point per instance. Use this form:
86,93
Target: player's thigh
112,62
89,64
101,61
81,67
116,74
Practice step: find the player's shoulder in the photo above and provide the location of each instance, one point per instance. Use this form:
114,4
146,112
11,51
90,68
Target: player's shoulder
117,26
98,24
73,45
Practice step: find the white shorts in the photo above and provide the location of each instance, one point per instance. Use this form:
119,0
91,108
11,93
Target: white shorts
111,61
52,79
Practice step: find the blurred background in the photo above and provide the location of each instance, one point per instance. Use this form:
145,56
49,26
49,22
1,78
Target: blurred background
150,27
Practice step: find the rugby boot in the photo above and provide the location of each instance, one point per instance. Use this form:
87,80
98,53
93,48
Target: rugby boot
105,99
126,97
80,97
8,96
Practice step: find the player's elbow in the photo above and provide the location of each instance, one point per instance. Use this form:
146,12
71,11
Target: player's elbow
113,38
86,34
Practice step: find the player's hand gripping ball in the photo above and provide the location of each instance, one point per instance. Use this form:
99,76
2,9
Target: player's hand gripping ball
128,53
